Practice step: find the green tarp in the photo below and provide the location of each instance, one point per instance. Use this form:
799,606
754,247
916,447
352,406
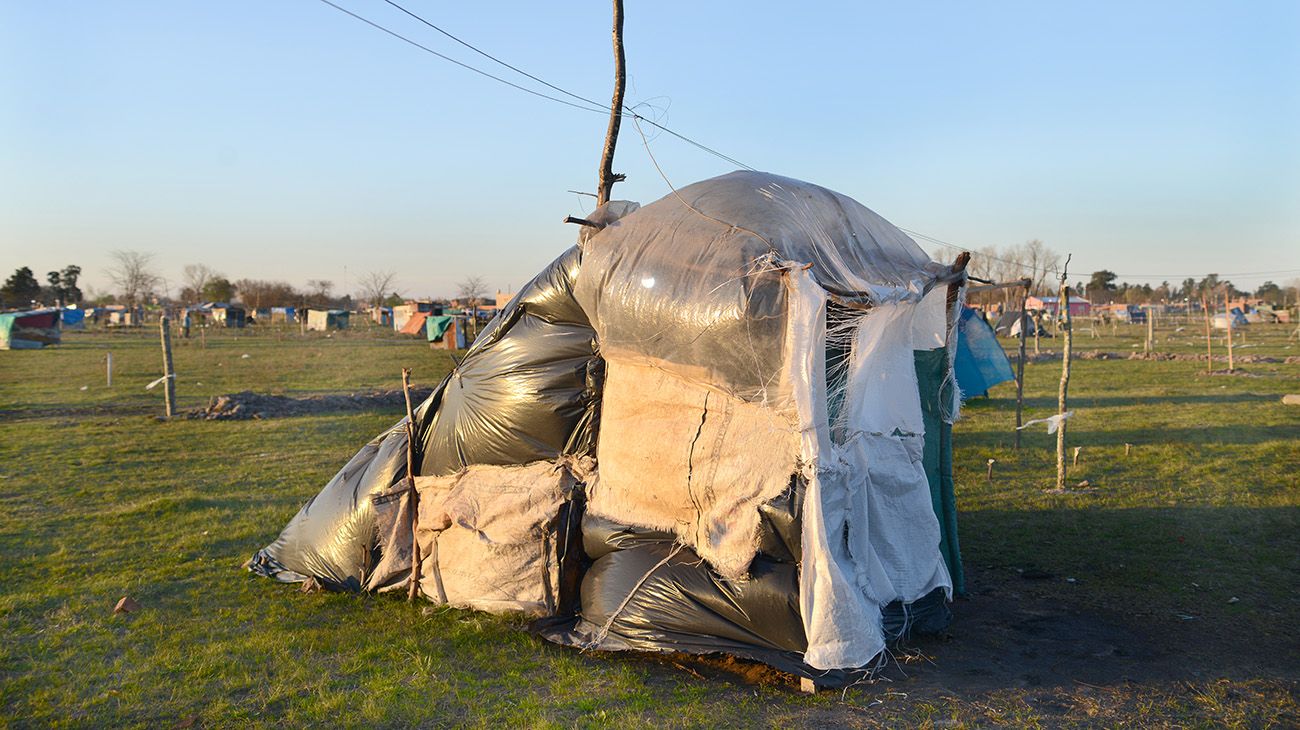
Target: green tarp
931,369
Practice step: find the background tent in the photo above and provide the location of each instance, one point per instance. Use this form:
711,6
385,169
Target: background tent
29,330
327,319
981,363
672,438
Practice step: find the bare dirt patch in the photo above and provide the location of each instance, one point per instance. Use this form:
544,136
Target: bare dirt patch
249,405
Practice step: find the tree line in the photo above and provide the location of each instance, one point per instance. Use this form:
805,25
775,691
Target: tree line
136,282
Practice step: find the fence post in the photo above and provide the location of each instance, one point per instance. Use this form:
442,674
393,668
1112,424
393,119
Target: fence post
1063,319
169,375
1020,366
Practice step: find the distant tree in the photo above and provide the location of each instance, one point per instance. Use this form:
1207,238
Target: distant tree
258,293
374,285
63,285
20,288
1269,292
470,290
1188,289
1101,284
133,275
218,289
318,292
196,278
1039,261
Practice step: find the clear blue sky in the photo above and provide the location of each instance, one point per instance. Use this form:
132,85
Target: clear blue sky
282,139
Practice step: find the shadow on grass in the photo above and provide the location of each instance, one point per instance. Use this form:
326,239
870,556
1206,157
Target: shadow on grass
1108,596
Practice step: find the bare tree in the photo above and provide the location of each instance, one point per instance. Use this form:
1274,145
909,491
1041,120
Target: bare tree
133,276
375,286
1039,261
470,290
319,291
196,278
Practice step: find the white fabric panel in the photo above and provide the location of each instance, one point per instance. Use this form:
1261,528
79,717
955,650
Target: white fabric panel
893,531
842,626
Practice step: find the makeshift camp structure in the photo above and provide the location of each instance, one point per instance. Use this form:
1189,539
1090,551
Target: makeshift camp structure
1238,319
29,330
447,332
412,309
721,423
228,315
72,318
327,319
1009,324
981,363
283,314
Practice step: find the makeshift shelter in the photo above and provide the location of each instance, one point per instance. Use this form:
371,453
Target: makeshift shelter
327,319
29,330
415,324
412,309
283,314
446,332
72,318
981,363
1220,320
228,315
1009,323
721,423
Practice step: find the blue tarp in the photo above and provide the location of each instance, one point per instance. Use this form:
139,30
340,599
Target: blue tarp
73,319
981,363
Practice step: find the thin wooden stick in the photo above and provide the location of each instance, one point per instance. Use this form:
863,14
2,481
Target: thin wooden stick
410,480
607,178
1063,327
1227,308
1209,341
169,375
1020,366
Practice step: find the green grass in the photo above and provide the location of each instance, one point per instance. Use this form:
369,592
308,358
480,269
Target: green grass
98,499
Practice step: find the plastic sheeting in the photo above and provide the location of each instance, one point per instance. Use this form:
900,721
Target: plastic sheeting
694,281
528,389
766,500
538,346
981,363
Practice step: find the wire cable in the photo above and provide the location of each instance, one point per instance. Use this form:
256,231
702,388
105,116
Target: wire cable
591,105
465,66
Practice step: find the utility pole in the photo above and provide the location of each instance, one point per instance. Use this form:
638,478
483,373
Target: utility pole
607,178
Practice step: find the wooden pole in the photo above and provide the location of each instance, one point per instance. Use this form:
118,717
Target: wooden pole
1063,319
1227,308
607,178
108,368
1151,331
414,588
1020,366
1209,339
169,375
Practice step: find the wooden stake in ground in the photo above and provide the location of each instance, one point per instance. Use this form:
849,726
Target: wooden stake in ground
108,368
1151,332
410,481
605,182
1020,365
1209,341
1227,308
169,375
1063,327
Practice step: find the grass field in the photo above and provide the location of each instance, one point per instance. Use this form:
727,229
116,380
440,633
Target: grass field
1167,596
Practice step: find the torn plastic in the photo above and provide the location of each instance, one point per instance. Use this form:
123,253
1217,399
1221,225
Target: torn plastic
1053,422
755,365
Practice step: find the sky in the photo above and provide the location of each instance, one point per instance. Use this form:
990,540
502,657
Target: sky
282,139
